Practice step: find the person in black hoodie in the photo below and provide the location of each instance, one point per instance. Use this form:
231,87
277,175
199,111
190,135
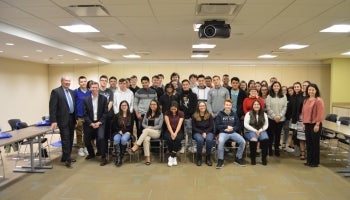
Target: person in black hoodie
228,125
188,104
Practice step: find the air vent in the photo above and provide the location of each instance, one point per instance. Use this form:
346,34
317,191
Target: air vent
88,10
217,9
200,51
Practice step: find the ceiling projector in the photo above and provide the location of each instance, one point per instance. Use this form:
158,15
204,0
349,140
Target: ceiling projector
214,29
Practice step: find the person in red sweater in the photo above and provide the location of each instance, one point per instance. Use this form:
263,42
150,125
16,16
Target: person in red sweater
248,102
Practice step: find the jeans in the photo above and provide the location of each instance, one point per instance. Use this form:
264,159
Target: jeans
209,142
250,134
121,138
223,137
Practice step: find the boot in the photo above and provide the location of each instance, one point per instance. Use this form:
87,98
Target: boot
199,159
264,147
122,152
117,153
252,148
208,160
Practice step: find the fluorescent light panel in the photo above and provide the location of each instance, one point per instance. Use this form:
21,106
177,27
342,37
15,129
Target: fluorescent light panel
267,56
339,28
199,56
203,46
114,46
346,53
293,46
80,28
131,56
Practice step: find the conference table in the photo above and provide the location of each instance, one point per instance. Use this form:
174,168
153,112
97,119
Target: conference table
344,130
32,134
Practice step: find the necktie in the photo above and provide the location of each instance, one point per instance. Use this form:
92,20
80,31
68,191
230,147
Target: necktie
70,102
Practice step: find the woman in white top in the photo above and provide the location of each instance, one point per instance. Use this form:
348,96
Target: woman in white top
276,107
255,124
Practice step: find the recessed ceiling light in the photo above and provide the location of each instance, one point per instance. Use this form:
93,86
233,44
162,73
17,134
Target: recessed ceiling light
199,56
114,46
339,28
203,46
131,56
1,51
60,55
293,46
346,53
39,50
9,44
76,59
25,56
267,56
80,28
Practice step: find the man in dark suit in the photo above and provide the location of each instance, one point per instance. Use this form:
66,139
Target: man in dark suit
62,116
95,115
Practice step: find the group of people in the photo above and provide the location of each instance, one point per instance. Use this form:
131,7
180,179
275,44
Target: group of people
203,108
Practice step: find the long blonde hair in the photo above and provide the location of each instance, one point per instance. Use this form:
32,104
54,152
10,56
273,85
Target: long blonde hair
197,115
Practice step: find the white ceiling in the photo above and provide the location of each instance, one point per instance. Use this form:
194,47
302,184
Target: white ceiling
162,30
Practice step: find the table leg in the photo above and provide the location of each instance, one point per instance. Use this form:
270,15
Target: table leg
32,167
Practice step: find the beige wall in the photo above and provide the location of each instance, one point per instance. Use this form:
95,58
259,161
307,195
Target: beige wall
340,74
286,73
23,87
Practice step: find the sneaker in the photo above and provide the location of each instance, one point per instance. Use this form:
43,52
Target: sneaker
220,164
240,162
174,161
81,152
284,146
86,151
289,149
182,150
170,161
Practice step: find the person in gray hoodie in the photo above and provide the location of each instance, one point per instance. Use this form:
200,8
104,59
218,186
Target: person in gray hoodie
216,97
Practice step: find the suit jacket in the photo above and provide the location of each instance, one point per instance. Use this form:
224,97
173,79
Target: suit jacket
102,109
59,108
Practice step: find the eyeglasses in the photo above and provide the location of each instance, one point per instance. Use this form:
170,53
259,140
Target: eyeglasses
153,104
124,105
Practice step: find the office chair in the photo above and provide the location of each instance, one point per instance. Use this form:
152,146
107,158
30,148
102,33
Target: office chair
328,135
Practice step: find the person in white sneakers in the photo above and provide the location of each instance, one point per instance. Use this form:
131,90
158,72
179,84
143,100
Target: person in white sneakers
173,134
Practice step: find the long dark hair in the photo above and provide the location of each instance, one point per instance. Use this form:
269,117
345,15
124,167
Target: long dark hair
158,111
120,114
261,119
272,92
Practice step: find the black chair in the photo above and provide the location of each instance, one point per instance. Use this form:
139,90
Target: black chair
328,135
342,139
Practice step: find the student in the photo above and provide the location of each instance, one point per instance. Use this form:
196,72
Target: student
152,125
228,125
173,134
203,131
256,124
124,121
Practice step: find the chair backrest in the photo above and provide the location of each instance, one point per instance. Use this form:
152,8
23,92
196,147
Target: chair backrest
331,117
17,124
344,120
13,123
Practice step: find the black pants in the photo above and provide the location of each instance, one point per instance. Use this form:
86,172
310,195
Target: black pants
173,145
89,134
274,131
67,136
139,125
312,144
